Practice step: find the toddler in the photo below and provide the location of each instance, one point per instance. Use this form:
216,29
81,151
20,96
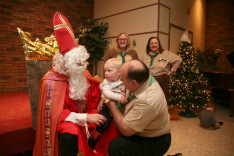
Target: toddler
207,117
112,89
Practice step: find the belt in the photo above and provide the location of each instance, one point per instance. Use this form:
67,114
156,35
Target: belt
160,77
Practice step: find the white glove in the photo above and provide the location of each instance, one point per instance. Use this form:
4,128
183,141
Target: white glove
77,118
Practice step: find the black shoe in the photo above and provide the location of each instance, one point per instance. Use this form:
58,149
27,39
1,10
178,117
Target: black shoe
177,154
92,142
221,123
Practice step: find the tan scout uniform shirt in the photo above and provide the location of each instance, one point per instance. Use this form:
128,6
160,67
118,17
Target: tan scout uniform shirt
148,113
161,63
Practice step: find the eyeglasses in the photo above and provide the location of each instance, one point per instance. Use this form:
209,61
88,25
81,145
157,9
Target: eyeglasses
122,39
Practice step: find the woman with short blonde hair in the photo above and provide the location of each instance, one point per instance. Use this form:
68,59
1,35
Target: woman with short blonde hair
123,49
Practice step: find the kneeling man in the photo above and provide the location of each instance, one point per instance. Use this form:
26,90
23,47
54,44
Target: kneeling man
145,126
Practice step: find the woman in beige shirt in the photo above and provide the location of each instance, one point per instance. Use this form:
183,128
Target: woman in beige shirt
161,63
123,50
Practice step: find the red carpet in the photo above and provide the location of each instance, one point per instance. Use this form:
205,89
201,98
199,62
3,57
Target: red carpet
16,133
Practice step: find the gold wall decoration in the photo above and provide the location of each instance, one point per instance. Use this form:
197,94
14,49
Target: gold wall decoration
37,50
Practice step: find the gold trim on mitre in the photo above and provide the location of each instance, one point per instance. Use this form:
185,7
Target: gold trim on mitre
67,27
61,26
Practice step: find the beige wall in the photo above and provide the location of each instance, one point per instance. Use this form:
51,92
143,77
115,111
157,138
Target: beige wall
104,8
187,14
142,19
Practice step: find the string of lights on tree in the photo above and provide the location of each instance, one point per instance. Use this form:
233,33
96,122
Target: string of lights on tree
188,87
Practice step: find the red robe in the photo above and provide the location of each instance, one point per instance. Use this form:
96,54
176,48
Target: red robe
54,106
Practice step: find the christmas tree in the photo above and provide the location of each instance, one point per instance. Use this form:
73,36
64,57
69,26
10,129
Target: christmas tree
188,86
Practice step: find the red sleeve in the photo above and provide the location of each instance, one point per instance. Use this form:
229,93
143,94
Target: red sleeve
93,93
69,106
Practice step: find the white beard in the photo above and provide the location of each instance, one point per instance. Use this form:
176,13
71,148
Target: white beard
68,64
78,84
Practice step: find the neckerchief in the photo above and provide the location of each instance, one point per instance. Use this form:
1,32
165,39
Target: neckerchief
152,58
123,57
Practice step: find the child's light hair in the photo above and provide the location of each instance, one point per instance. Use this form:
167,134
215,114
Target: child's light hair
210,105
113,63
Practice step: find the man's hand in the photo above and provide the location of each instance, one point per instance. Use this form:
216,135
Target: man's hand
123,100
169,73
96,119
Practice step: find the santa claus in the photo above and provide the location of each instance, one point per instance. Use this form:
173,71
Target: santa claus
68,99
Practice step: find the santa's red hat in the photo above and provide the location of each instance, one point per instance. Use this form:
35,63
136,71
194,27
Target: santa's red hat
64,33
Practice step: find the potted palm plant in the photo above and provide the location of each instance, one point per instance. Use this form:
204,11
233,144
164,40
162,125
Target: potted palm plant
90,34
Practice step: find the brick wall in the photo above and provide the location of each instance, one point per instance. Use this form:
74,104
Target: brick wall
219,29
36,17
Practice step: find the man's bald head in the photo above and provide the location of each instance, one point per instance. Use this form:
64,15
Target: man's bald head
136,70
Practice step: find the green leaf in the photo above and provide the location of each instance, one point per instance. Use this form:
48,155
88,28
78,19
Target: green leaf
90,34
